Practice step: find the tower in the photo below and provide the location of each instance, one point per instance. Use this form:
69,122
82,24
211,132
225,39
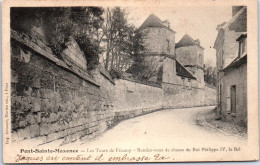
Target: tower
191,55
159,43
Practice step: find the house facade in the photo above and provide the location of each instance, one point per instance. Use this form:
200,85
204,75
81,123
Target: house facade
231,54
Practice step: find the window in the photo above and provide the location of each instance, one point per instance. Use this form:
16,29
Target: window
183,82
168,45
189,84
242,47
200,60
220,57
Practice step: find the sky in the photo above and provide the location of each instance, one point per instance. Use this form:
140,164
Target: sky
199,22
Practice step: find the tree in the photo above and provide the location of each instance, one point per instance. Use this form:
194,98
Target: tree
144,67
210,73
119,39
61,23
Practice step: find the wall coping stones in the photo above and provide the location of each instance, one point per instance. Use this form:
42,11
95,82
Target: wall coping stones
210,86
27,41
106,74
126,76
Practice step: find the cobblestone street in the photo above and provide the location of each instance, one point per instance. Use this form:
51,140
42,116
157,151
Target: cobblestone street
210,120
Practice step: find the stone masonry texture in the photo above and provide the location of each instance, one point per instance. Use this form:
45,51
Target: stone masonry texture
51,101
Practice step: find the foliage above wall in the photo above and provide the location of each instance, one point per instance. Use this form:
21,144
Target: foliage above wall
58,24
123,42
210,75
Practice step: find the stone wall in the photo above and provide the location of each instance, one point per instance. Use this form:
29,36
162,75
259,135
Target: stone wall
52,101
177,96
182,92
210,95
133,98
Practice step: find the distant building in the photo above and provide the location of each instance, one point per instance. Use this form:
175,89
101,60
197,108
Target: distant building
191,55
179,66
231,54
160,38
160,47
159,43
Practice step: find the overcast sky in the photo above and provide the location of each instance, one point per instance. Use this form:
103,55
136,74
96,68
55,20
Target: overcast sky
199,22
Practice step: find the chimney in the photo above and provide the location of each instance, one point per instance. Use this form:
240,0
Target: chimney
197,42
166,23
235,9
220,25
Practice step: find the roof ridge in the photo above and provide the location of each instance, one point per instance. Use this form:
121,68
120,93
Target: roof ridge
190,38
184,41
155,17
153,21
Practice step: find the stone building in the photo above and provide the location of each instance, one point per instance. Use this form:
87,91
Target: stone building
191,55
160,39
179,66
159,42
160,47
231,54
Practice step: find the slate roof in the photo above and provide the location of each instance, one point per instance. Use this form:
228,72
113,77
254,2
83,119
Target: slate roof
153,21
186,40
238,22
182,71
236,63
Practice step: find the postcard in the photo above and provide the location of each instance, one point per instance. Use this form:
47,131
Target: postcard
129,81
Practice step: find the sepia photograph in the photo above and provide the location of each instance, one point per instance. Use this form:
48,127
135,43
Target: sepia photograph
114,83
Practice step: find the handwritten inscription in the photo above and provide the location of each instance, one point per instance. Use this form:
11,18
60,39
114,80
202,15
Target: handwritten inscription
119,154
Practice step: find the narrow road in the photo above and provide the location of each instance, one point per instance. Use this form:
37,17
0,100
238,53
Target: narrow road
167,135
173,127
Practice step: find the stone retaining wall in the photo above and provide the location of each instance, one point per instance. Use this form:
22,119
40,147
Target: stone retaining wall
51,102
175,96
134,99
211,96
